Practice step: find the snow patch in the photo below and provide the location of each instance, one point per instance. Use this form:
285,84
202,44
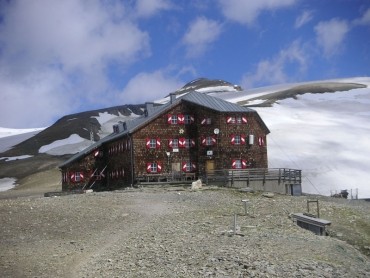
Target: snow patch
71,145
7,183
15,157
5,132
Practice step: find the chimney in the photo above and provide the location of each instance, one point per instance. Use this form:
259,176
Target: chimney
148,108
172,97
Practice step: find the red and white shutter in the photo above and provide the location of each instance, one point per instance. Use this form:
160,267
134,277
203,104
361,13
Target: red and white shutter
232,140
261,141
123,172
159,168
149,167
244,120
203,141
82,176
244,164
180,119
203,121
233,164
192,119
214,140
72,177
242,139
184,166
147,143
192,141
170,143
193,166
158,143
182,142
169,118
229,120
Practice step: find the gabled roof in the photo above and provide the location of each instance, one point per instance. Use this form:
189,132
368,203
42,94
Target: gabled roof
197,98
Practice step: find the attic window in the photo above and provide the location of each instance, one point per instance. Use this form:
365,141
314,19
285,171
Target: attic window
173,119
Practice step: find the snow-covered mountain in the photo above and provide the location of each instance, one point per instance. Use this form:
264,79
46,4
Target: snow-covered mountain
320,127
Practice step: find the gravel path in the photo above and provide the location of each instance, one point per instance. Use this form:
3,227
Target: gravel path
171,232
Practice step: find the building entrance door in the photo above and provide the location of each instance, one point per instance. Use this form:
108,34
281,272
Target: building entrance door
210,166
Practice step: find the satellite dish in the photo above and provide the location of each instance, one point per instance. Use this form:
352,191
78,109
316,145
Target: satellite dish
216,131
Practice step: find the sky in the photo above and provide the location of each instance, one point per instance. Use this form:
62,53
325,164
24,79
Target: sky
63,57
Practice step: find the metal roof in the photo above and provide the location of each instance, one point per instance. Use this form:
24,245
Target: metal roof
197,98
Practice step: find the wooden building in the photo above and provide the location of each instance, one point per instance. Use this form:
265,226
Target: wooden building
182,139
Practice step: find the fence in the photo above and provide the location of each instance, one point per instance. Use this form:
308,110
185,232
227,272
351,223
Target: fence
230,176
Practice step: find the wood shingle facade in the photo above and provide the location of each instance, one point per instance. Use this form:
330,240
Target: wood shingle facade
182,139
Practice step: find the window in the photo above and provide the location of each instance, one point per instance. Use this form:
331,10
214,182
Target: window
186,142
153,167
230,120
208,141
237,140
152,143
78,176
206,121
239,164
188,166
172,119
188,119
173,143
236,119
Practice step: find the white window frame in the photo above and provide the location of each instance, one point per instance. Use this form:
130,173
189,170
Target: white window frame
238,164
175,143
153,143
237,140
187,119
153,167
77,176
174,119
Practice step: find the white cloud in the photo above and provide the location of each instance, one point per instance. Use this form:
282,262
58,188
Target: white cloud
274,71
201,33
147,8
55,54
246,12
364,20
304,18
330,35
149,87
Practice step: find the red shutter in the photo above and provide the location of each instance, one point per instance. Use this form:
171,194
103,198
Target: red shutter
82,176
192,119
228,120
204,121
149,167
170,143
233,164
180,119
158,143
181,142
261,141
244,164
192,142
72,177
193,166
159,168
214,140
244,120
184,166
148,143
232,136
169,118
242,139
203,141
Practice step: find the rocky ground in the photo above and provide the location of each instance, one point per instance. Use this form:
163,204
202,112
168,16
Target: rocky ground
176,232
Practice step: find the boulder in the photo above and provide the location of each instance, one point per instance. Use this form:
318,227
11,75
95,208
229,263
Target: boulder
195,185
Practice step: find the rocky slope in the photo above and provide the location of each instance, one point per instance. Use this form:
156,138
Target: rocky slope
176,232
